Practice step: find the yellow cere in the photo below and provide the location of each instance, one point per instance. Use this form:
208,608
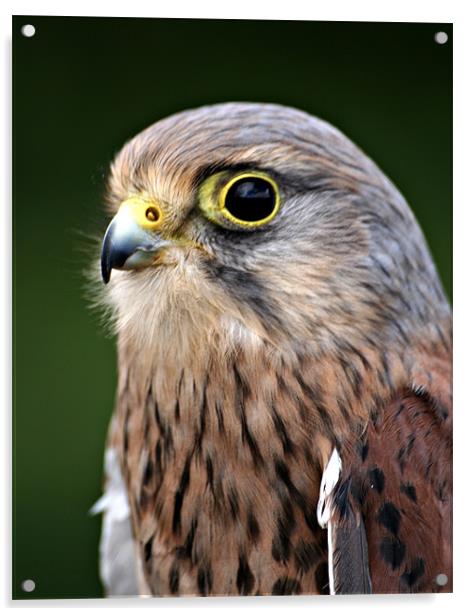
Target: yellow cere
144,211
213,205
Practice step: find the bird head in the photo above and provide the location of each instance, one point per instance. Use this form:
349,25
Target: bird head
270,221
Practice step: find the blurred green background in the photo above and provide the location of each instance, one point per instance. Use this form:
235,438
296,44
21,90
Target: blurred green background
82,86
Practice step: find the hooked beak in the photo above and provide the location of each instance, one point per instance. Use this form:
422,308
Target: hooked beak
126,244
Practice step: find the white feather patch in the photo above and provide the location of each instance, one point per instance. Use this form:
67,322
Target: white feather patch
118,561
328,481
324,510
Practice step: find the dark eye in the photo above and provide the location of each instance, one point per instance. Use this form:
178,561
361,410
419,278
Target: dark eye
251,199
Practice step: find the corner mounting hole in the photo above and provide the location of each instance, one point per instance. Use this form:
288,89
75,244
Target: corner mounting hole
441,579
28,30
441,38
28,585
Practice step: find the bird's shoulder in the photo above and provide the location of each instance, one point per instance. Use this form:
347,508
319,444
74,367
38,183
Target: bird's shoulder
392,499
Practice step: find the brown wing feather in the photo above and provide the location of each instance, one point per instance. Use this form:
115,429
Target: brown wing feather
396,486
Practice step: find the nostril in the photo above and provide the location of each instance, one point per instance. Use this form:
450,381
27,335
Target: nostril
152,214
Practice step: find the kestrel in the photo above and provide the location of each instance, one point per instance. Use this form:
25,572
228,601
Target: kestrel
283,412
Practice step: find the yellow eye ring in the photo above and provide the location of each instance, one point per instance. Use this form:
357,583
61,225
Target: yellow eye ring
262,196
245,200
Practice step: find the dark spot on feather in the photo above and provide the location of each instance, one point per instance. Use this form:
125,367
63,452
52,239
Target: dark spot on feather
404,452
411,576
148,549
281,543
168,439
158,506
374,413
209,470
392,551
315,395
309,512
179,386
307,554
401,459
248,438
429,466
343,409
185,551
283,474
174,579
377,479
382,268
180,494
177,411
400,409
441,411
352,375
326,418
341,495
164,430
243,390
409,490
441,336
157,415
404,336
233,503
361,356
410,443
441,491
309,456
202,416
379,404
364,450
389,517
158,457
279,424
148,471
145,500
311,518
125,430
286,586
253,527
242,386
358,490
386,369
278,550
244,577
219,417
146,424
204,581
322,578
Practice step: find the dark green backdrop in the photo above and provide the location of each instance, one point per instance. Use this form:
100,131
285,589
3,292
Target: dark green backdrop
82,86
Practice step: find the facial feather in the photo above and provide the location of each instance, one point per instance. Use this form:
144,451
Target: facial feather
345,243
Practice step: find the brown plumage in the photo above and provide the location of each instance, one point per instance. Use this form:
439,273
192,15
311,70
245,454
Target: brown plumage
247,354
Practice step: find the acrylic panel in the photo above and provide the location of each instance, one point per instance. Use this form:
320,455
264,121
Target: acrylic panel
232,289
